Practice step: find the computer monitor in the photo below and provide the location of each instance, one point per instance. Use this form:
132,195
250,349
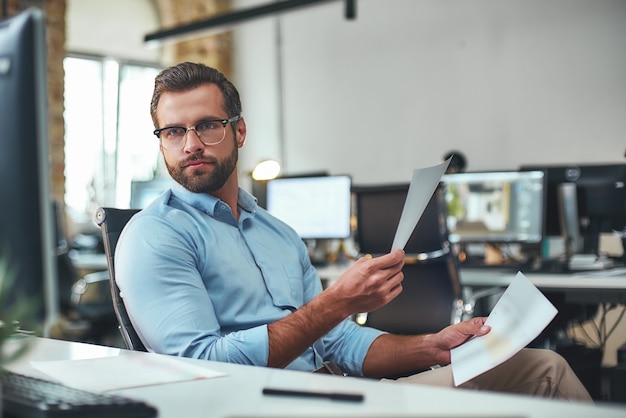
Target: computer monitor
27,238
142,193
378,210
495,207
601,198
316,207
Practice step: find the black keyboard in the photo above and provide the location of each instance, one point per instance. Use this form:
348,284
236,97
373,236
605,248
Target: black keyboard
30,397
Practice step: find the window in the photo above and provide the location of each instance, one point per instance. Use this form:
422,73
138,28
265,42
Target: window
108,132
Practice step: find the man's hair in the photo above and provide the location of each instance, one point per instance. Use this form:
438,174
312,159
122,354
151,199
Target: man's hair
187,76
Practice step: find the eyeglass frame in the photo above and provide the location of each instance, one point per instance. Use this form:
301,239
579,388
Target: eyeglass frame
224,122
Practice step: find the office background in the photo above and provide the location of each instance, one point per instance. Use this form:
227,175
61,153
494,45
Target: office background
507,82
481,79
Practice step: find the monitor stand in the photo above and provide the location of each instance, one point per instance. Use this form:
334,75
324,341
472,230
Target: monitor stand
569,220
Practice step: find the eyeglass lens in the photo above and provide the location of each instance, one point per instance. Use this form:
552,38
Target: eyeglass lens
210,133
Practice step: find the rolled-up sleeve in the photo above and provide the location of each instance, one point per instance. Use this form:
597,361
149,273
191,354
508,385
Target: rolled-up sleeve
347,345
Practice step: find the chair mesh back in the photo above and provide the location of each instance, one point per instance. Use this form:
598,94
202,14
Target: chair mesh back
427,303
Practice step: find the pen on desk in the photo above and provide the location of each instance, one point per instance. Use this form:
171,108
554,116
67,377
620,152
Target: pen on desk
336,396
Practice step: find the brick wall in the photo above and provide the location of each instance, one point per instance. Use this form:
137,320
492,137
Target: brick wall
55,34
212,50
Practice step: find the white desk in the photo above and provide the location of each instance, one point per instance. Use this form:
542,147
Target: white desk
239,393
588,287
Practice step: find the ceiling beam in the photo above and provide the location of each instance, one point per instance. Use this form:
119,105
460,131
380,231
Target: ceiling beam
224,20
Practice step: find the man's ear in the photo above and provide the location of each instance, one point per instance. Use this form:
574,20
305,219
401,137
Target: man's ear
241,132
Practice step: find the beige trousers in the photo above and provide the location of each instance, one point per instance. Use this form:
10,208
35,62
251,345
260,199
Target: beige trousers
535,372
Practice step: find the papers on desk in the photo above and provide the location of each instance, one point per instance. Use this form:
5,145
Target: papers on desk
121,372
518,318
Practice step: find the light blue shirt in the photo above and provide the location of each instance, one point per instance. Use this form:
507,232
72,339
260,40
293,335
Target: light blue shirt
197,283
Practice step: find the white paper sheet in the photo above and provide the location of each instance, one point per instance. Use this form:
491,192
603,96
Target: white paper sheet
518,318
423,184
125,371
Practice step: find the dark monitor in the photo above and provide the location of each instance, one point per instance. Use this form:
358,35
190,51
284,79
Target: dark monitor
27,238
316,207
378,209
601,198
495,207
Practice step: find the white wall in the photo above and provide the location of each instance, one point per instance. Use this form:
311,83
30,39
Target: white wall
508,82
112,28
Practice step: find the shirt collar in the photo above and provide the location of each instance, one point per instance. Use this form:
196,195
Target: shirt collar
208,203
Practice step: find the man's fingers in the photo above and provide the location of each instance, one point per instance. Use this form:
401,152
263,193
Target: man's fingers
479,320
387,260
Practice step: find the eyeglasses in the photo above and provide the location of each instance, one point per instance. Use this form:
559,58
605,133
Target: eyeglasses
210,132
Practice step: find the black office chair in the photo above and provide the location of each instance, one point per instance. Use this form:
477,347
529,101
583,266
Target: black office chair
112,221
432,295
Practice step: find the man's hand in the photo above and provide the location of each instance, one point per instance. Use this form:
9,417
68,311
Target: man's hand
391,355
370,283
455,335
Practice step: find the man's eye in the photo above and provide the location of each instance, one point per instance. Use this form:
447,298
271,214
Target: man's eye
208,126
173,132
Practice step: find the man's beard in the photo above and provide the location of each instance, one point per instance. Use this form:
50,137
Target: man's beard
199,181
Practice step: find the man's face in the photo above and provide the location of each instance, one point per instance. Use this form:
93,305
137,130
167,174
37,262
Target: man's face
197,167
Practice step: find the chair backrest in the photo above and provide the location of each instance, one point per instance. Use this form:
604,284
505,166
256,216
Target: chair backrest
432,295
430,300
111,222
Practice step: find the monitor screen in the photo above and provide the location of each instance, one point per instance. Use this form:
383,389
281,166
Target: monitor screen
142,193
600,196
27,238
316,207
495,207
378,210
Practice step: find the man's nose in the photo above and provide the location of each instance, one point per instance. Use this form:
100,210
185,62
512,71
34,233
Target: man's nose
192,140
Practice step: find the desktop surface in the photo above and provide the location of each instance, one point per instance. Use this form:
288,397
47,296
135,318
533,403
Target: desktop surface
240,392
603,286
